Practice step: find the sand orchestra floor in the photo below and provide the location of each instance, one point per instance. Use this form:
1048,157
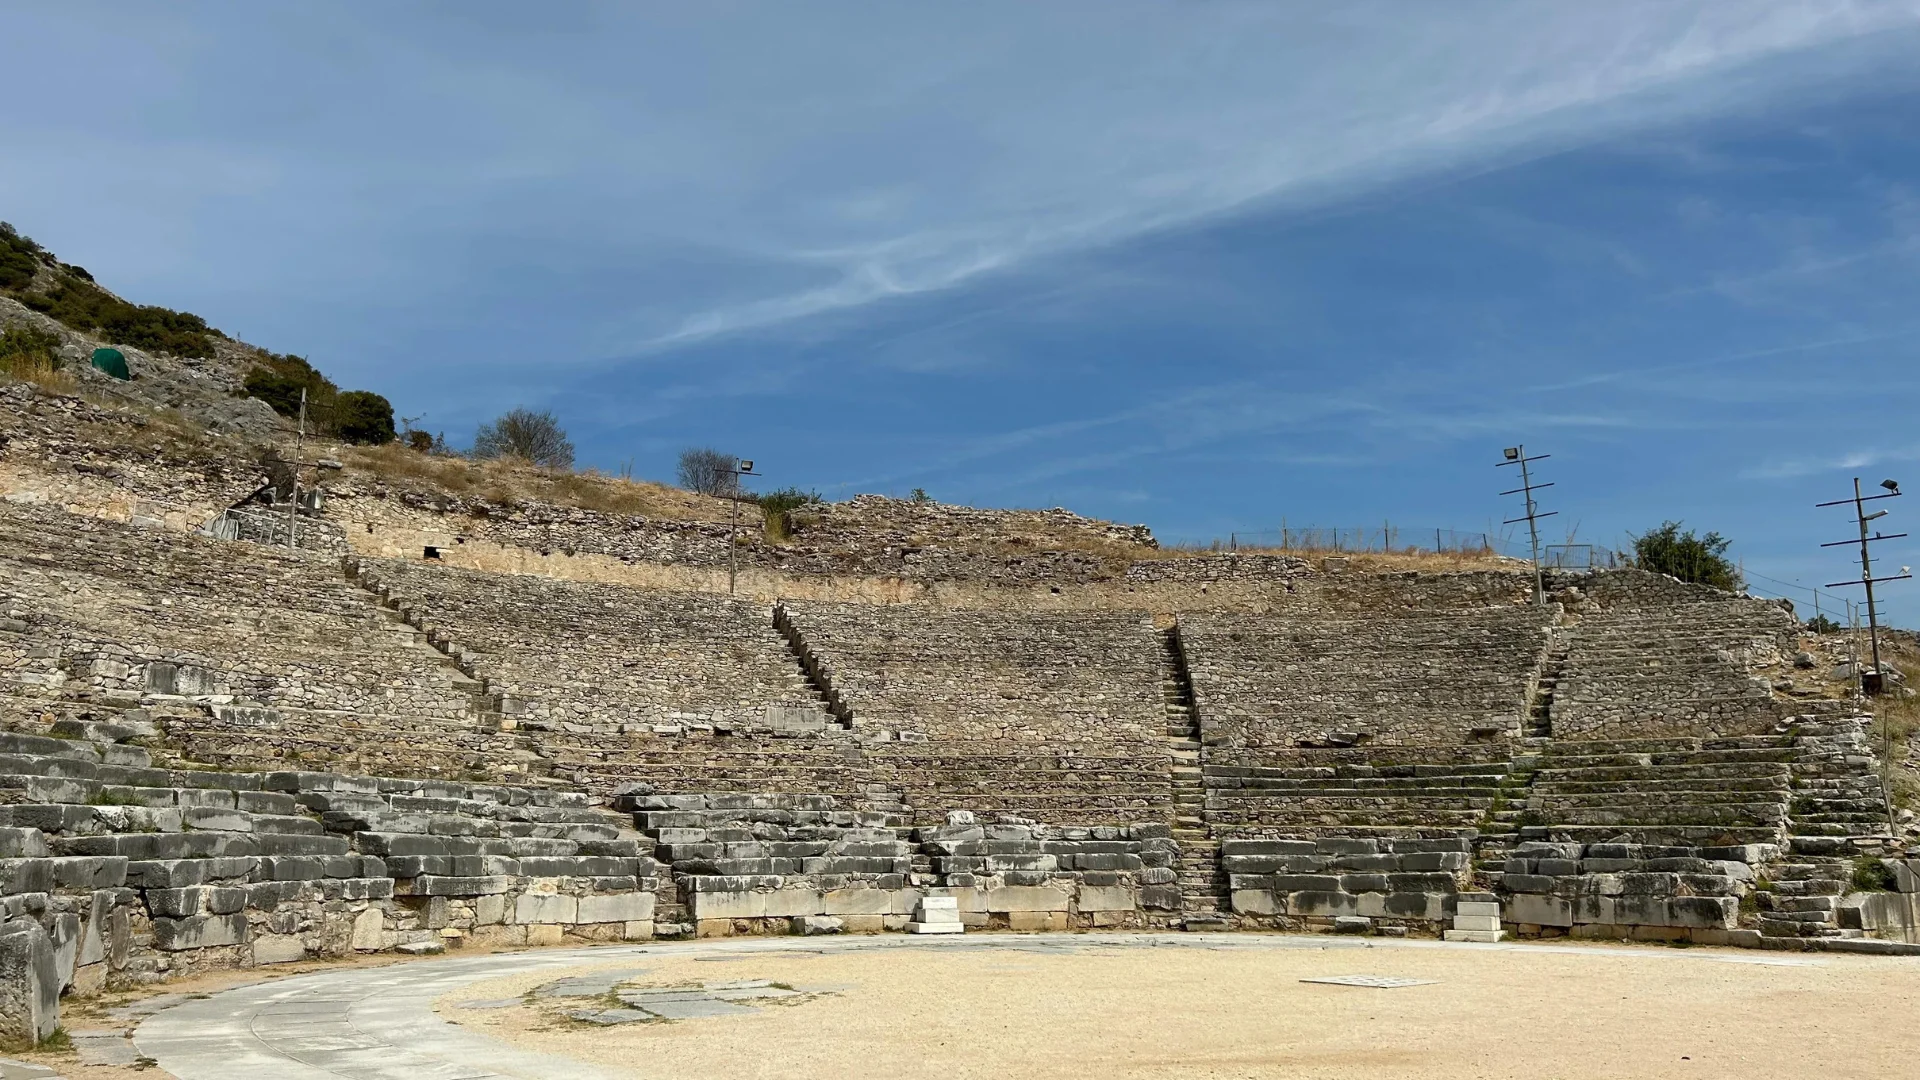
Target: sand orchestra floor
1039,1006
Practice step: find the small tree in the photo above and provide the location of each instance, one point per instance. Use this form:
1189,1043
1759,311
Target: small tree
534,436
1699,559
362,416
1820,624
707,471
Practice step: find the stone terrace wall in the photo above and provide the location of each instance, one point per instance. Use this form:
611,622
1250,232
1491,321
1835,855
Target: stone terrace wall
581,656
1287,680
1686,668
120,614
113,463
114,872
1065,679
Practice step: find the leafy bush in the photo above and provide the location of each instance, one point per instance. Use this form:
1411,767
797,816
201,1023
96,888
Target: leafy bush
25,351
531,436
280,391
421,441
1872,875
1698,559
19,258
361,416
1820,624
778,506
85,306
707,471
920,496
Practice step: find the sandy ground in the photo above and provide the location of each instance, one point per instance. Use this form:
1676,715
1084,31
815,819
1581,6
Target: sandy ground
1532,1012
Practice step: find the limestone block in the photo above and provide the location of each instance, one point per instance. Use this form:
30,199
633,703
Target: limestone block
29,985
1703,912
1536,909
1037,920
278,949
757,904
1256,902
1897,913
545,934
1027,898
859,902
548,908
1475,922
1427,906
200,932
617,907
1323,904
64,932
489,910
937,909
369,931
1107,898
810,925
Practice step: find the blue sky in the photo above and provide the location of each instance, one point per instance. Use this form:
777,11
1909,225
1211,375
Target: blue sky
1209,266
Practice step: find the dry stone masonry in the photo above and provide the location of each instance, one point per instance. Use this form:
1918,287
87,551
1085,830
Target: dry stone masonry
222,753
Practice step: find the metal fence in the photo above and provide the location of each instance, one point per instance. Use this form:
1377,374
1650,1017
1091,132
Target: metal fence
1385,538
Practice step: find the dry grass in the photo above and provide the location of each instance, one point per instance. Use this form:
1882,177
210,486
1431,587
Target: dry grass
1896,725
506,481
49,379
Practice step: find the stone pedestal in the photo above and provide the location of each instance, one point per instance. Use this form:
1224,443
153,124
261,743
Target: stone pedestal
1476,919
936,915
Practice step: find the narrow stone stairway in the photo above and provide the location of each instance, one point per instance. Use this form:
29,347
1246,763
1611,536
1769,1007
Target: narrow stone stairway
817,687
487,706
1203,886
1540,709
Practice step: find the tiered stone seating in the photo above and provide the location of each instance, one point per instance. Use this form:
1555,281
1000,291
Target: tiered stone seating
1388,792
1057,716
1065,679
1440,678
118,614
603,762
1681,668
223,869
1715,791
585,656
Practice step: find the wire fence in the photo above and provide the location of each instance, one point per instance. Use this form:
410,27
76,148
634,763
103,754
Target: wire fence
1385,538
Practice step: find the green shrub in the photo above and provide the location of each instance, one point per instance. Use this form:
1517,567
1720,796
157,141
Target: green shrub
361,416
277,390
1698,559
19,258
1872,875
1820,624
25,351
778,506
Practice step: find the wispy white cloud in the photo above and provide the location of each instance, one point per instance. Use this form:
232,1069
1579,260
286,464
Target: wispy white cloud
1208,109
1793,468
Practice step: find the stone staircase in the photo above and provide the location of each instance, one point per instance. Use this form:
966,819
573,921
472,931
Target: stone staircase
1203,884
490,709
1804,901
1540,707
818,686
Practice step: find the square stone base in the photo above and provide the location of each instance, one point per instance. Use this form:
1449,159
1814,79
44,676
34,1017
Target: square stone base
1474,935
934,928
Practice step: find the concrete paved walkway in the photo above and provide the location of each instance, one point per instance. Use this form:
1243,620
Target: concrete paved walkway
379,1023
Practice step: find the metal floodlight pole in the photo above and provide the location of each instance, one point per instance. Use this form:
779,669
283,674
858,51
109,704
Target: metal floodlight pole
1517,455
1871,683
740,468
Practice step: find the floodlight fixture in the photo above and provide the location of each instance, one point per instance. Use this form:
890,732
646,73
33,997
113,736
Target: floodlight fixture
1875,516
745,465
1512,453
1891,485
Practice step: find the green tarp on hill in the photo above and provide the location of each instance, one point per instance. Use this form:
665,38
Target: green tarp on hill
113,362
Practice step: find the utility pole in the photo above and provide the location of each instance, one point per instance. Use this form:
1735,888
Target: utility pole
1517,455
299,446
741,468
1872,682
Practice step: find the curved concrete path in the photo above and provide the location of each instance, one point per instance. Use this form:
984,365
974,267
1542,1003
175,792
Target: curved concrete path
379,1023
